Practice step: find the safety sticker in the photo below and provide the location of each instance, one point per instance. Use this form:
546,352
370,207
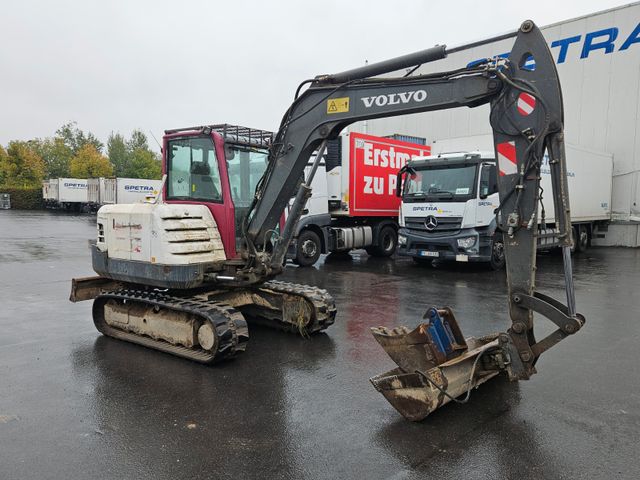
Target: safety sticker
507,161
526,104
338,105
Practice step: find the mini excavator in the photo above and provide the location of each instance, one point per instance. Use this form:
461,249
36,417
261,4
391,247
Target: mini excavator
183,274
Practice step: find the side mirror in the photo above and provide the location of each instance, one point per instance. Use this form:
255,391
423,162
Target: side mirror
488,181
229,152
399,178
399,184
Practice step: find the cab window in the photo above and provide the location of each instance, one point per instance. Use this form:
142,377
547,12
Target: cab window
192,170
246,166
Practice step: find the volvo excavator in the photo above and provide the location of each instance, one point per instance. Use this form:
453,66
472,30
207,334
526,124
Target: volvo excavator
183,274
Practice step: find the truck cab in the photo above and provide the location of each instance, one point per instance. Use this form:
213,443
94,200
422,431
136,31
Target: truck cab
447,210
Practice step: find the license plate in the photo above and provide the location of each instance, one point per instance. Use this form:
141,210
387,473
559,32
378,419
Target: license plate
429,253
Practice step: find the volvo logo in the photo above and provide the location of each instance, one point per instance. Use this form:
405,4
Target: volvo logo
430,223
399,98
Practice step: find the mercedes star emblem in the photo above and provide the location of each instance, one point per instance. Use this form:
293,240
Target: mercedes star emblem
430,223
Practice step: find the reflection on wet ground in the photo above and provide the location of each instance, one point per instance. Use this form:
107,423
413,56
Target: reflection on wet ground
78,405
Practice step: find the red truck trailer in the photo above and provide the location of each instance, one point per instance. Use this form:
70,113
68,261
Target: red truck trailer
353,204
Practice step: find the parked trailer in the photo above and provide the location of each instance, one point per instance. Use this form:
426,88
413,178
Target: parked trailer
65,193
106,191
72,193
353,203
449,200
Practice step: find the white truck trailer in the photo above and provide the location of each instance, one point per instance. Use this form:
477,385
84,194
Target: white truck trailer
449,200
65,193
353,203
106,191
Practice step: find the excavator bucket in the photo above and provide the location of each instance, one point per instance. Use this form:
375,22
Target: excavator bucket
436,364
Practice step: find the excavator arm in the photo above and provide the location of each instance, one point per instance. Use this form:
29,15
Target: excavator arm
436,364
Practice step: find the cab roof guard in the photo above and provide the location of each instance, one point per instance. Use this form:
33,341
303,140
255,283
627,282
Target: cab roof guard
237,134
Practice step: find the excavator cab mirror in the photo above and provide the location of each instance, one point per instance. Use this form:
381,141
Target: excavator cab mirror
229,152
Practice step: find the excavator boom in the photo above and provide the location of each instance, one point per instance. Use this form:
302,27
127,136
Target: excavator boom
526,115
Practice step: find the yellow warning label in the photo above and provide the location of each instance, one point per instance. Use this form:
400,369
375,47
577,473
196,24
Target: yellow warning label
338,105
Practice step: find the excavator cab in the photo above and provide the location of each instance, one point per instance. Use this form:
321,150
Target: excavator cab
218,166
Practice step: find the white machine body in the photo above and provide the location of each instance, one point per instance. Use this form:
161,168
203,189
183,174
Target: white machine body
165,234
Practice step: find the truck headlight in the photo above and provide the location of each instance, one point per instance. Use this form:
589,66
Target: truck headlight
466,242
402,240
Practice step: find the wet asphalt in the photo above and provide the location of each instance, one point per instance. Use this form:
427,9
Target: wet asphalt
74,404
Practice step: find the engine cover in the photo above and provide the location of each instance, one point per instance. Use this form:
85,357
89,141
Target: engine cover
165,245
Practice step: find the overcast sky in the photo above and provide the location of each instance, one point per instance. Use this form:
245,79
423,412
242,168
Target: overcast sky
116,65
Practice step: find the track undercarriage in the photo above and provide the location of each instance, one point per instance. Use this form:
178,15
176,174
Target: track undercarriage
204,324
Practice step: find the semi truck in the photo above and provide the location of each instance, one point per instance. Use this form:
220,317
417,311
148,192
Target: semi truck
65,193
107,191
353,203
449,202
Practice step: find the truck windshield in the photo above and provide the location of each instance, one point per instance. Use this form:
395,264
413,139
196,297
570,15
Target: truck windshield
441,183
192,170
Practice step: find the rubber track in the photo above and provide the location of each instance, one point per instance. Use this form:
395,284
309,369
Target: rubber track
324,306
230,326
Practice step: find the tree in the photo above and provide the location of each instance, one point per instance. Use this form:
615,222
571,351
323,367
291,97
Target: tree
133,158
75,139
21,166
90,163
138,141
118,154
56,155
145,164
4,159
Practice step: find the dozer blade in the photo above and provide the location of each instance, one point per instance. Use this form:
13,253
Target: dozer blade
436,364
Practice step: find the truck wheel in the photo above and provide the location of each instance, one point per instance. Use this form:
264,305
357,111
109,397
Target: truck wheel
307,248
497,260
387,242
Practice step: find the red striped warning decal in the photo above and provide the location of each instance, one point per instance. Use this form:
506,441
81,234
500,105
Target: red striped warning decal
526,104
507,162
